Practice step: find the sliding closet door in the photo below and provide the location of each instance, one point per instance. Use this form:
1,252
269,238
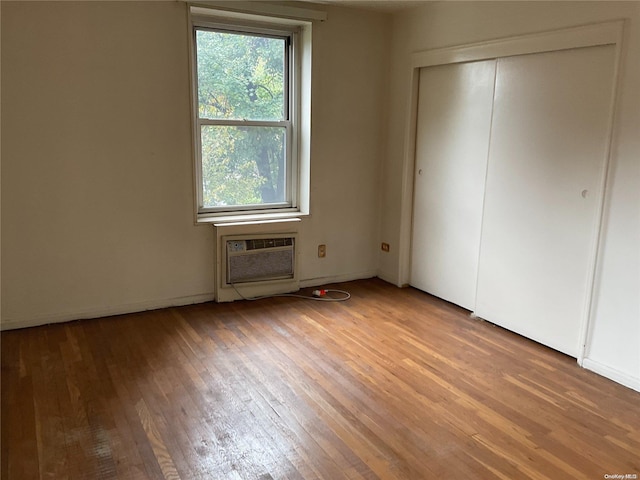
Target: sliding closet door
452,140
547,152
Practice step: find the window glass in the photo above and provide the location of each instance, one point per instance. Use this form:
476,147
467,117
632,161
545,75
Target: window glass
241,76
243,120
242,165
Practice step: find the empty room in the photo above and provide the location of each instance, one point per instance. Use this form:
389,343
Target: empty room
320,239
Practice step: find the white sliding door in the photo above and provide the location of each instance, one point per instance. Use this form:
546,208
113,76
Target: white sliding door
452,141
551,119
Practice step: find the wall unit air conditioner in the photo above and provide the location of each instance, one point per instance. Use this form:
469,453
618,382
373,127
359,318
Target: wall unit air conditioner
253,265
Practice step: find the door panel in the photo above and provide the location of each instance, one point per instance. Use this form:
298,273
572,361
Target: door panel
548,146
452,140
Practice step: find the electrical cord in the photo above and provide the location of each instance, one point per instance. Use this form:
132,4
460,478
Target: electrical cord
319,295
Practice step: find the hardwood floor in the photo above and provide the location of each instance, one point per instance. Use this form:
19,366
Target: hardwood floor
392,384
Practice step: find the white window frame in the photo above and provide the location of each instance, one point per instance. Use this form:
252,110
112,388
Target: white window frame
297,122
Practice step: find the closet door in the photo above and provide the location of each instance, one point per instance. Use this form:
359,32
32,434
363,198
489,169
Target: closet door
452,140
547,152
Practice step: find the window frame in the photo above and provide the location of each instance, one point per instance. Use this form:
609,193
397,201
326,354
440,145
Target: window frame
291,32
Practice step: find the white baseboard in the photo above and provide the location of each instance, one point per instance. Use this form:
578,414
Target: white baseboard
612,374
347,277
11,324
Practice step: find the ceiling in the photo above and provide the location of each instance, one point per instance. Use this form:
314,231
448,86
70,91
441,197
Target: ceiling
388,6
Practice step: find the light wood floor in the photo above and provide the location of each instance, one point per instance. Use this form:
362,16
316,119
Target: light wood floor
391,384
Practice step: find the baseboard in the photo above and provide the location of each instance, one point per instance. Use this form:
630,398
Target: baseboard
612,374
347,277
11,324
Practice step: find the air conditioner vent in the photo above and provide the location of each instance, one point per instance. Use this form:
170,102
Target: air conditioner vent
259,259
261,243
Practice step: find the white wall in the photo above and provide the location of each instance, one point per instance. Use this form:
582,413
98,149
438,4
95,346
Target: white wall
97,194
614,341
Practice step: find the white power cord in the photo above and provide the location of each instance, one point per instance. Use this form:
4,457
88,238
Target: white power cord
318,295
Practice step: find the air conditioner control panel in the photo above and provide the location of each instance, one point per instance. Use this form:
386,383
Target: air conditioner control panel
236,246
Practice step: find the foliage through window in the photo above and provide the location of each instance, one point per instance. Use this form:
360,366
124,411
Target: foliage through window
243,119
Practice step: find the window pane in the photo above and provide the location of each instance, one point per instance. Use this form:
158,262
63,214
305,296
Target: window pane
240,76
242,165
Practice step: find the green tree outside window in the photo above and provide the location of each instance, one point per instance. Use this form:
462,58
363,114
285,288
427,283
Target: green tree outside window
242,107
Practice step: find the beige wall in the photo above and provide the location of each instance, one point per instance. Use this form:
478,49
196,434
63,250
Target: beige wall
97,194
96,170
349,104
614,341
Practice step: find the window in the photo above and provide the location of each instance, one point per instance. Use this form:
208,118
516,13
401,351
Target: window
249,114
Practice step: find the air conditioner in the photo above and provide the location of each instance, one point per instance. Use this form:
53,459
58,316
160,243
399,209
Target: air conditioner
257,265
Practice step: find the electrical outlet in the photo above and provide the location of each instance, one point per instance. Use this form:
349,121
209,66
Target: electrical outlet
384,247
322,251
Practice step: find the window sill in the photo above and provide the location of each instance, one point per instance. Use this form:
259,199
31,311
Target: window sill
252,219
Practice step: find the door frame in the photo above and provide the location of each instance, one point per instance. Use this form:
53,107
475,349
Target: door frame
598,34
